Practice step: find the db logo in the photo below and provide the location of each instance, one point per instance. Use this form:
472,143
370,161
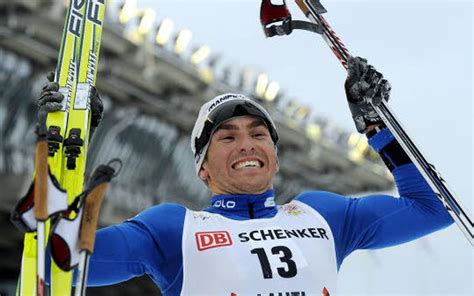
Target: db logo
212,239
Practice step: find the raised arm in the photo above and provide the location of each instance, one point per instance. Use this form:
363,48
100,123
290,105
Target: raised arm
377,221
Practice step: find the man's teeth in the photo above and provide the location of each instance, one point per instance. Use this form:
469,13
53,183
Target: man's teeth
248,164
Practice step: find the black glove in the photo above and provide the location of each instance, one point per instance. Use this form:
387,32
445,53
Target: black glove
363,85
50,100
97,107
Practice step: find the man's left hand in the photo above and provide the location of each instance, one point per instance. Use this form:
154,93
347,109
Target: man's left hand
365,87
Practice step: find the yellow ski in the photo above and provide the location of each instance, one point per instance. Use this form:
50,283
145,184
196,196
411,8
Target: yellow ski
56,126
76,141
67,142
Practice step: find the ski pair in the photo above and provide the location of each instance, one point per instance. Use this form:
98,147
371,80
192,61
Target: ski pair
61,150
276,20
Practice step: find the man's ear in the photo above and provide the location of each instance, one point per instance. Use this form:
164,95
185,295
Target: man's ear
204,173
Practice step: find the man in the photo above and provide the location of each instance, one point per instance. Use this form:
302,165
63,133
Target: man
244,244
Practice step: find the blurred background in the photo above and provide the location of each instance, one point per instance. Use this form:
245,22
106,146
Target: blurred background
160,60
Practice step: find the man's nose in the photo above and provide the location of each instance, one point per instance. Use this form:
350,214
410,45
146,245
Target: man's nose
246,143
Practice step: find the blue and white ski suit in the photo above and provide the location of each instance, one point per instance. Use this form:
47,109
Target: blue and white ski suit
247,245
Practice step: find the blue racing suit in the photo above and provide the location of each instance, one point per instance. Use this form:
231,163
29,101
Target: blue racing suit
151,242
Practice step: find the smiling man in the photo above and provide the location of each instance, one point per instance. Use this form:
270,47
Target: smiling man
241,137
245,244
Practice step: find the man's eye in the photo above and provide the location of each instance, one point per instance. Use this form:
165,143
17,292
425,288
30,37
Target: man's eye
229,138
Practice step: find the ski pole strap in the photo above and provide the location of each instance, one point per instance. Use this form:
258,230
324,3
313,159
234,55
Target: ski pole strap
98,184
385,144
270,13
288,26
22,216
103,173
276,20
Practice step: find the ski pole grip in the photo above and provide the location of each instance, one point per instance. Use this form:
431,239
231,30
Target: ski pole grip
90,217
41,181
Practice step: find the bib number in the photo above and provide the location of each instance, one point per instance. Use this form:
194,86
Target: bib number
284,254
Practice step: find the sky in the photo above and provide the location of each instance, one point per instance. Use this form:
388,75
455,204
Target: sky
425,50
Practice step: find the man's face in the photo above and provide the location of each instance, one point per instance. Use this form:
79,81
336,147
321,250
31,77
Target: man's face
241,158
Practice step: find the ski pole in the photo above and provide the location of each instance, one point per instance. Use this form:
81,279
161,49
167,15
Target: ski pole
100,182
313,10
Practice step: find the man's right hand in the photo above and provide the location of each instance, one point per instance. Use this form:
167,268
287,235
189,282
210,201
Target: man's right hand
50,98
